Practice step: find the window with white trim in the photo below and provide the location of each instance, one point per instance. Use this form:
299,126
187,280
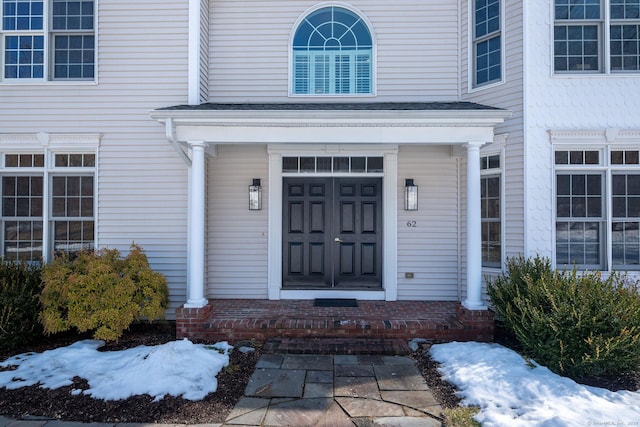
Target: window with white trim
487,43
47,200
588,233
581,31
490,205
332,164
332,54
47,40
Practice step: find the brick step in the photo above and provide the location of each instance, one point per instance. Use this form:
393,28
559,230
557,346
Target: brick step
261,320
355,346
364,329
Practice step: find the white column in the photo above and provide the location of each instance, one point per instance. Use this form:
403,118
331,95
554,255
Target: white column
195,284
474,232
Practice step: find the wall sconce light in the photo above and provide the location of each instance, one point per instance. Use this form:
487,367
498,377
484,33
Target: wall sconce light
255,195
410,195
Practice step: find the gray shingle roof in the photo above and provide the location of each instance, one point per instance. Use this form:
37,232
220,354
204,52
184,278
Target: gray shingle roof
346,106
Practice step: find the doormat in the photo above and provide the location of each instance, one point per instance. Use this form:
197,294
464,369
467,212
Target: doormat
335,302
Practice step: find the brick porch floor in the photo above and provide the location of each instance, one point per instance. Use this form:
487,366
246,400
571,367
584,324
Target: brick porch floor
235,320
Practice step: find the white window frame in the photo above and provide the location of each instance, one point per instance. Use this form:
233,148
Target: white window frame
605,142
276,152
51,145
373,55
472,43
604,24
48,34
496,172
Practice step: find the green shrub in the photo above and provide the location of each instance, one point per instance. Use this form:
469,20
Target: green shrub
20,287
576,324
101,292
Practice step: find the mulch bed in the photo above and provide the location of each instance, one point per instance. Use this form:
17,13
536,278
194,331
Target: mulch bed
29,402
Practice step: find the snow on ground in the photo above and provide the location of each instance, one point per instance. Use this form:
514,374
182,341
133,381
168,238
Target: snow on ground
178,368
509,391
512,392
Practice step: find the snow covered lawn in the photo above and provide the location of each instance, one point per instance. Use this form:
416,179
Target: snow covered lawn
512,392
177,368
509,391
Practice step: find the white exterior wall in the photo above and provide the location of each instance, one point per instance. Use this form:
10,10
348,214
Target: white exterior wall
237,238
141,181
508,94
417,50
428,239
562,102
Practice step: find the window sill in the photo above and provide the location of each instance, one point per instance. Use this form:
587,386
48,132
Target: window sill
474,89
12,82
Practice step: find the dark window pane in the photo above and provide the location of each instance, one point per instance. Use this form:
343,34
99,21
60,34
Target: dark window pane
87,186
8,186
59,186
578,207
631,158
358,164
307,164
563,185
493,187
594,186
341,164
73,206
617,157
591,157
89,160
618,185
563,207
59,206
562,157
633,184
323,164
578,185
22,206
575,158
75,160
289,164
594,207
633,207
87,206
494,162
375,164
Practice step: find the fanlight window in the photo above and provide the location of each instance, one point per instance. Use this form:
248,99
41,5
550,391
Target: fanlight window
332,54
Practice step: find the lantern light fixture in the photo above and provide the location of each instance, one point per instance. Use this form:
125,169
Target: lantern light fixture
410,195
255,195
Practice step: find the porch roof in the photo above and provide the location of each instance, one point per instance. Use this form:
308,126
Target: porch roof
342,123
338,106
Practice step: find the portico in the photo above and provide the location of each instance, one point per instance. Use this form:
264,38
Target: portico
331,130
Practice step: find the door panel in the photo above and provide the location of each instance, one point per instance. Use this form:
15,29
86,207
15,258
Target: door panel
359,206
332,232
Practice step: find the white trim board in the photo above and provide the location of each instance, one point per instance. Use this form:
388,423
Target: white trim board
389,223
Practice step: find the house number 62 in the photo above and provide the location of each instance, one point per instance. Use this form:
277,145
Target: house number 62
412,224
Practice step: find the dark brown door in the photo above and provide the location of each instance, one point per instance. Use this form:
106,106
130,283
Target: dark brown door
332,232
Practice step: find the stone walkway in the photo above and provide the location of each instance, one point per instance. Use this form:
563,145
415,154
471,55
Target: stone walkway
307,390
334,391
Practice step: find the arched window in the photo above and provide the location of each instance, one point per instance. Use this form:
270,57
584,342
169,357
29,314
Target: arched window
332,54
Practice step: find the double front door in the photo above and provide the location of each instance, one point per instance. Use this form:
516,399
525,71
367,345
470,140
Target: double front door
332,233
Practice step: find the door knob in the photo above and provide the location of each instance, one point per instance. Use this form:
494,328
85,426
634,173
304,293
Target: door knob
337,240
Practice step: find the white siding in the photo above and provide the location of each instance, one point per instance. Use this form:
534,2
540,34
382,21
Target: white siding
236,237
508,95
417,45
431,249
142,65
204,50
563,102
